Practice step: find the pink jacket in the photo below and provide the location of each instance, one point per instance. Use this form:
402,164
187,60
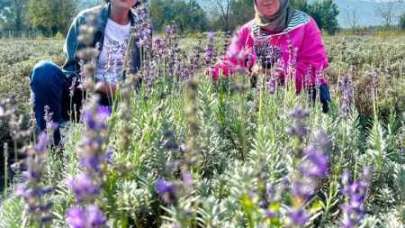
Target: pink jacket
300,47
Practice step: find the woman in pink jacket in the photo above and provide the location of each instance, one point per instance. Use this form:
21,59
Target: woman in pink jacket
283,41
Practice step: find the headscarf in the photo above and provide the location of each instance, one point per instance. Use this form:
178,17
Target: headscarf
277,22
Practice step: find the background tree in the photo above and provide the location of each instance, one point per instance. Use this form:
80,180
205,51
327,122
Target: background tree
222,8
402,21
229,14
242,11
188,16
352,17
325,13
66,10
51,16
387,11
300,5
12,14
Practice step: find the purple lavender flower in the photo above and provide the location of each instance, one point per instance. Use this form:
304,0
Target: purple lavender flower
267,196
267,54
298,217
91,152
163,186
355,193
209,53
211,35
158,43
31,189
109,155
321,141
96,217
269,191
170,31
33,173
48,117
187,178
83,187
42,144
298,128
271,85
90,216
21,190
314,166
263,204
166,190
304,187
315,163
308,82
195,60
299,113
76,217
96,120
92,161
143,28
345,86
92,155
270,214
209,50
159,47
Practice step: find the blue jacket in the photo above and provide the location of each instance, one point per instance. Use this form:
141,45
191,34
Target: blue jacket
72,45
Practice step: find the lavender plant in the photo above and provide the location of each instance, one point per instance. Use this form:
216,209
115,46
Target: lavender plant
32,190
92,159
355,192
207,154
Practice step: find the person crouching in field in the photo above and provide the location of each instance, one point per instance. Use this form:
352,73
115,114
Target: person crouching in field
51,85
282,41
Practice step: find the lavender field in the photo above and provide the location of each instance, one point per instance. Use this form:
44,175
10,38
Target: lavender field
185,151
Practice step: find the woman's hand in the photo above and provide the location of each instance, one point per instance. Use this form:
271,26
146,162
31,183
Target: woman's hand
255,70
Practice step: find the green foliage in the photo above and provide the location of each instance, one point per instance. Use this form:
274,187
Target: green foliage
324,12
10,212
242,11
300,5
187,15
402,21
229,14
12,14
51,16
